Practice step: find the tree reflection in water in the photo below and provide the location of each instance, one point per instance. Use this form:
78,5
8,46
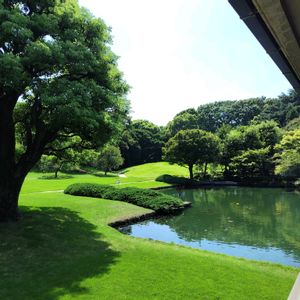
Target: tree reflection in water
235,221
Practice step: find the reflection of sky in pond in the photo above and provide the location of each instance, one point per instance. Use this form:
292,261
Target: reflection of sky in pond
259,224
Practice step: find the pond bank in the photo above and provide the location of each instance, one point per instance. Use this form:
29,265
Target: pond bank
253,223
146,216
225,183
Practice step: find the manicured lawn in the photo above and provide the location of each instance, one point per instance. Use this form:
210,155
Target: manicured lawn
63,249
153,170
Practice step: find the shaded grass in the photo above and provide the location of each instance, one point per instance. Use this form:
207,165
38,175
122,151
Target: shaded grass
49,253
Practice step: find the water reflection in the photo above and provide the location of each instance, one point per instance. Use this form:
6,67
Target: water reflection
255,223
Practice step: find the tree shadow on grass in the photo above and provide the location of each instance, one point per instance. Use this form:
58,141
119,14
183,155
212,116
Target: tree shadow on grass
49,253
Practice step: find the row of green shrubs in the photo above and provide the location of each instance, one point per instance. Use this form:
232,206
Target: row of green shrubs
155,200
177,180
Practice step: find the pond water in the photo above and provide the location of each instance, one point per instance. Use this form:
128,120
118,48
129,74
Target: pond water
254,223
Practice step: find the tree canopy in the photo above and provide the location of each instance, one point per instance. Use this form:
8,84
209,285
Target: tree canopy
58,79
110,159
189,147
288,155
141,142
236,113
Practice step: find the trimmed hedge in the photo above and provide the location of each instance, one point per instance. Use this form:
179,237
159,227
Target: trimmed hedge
155,200
88,189
177,180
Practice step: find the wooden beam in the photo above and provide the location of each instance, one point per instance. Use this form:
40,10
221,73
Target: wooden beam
295,292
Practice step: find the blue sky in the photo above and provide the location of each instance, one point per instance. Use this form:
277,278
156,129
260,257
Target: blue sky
177,54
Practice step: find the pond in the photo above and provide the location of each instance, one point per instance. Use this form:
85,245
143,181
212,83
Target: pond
254,223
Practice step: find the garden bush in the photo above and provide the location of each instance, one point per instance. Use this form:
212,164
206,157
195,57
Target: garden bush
155,200
88,189
177,180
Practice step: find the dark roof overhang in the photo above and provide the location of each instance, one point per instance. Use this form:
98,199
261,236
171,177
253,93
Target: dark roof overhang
252,15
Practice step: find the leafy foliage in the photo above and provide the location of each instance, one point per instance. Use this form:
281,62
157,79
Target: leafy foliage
55,164
293,124
110,159
189,147
88,189
288,155
141,143
245,143
253,163
212,116
59,82
183,121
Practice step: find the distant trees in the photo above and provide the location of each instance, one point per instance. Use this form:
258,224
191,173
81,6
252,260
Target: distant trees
184,120
293,124
55,163
190,147
247,130
141,142
244,151
212,116
247,151
67,160
253,163
288,155
110,159
282,109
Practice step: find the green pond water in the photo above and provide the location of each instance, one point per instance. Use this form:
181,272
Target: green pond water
254,223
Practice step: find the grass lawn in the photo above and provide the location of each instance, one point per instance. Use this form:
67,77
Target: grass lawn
63,249
153,170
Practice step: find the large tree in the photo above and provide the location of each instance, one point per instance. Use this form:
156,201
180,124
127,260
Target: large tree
58,80
189,147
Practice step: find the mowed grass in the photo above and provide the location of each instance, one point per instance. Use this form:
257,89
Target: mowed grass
153,170
143,175
64,249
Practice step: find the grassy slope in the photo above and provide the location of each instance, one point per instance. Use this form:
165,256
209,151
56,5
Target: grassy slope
153,170
63,249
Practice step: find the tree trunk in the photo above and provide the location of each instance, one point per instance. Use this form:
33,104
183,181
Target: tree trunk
55,173
9,195
9,186
11,175
205,170
191,171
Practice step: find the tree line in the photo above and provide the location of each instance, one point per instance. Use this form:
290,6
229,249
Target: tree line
244,138
235,140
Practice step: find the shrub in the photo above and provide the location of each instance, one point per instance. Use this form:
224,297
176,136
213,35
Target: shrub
155,200
88,189
177,180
